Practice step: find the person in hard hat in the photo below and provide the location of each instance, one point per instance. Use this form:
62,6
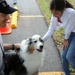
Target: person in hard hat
63,15
8,59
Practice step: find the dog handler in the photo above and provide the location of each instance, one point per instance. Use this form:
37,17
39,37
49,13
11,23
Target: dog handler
63,14
8,60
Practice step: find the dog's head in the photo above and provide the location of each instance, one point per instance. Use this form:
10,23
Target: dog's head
35,43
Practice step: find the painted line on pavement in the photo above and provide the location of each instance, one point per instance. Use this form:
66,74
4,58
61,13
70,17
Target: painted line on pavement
30,16
51,73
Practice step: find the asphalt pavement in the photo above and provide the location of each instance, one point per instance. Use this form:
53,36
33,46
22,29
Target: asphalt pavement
31,21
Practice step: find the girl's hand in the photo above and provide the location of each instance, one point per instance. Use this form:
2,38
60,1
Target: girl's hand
65,43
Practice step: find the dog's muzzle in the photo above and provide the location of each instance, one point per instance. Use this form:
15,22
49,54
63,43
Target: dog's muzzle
41,48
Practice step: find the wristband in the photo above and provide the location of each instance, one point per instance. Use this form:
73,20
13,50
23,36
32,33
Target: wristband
13,47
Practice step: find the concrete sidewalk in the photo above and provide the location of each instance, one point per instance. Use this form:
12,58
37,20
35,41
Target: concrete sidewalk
31,23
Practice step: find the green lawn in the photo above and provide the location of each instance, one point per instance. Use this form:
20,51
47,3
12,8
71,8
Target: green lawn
44,5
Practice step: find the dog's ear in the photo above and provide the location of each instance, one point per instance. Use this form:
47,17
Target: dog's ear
31,49
30,41
30,46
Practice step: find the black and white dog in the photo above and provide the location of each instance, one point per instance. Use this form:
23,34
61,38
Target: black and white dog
32,53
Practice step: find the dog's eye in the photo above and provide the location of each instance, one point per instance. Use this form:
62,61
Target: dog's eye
35,41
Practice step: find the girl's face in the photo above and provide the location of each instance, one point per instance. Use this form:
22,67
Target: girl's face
3,19
57,13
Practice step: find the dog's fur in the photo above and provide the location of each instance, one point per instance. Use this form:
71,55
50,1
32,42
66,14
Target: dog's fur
32,53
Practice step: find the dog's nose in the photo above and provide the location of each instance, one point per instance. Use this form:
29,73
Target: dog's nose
41,46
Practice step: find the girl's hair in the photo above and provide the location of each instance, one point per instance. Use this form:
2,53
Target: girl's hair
60,5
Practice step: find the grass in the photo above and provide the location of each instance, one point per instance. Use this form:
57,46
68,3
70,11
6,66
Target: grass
44,5
58,34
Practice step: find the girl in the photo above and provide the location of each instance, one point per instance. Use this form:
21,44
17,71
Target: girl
64,15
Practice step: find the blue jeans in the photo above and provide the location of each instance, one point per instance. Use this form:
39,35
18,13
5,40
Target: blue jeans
68,55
